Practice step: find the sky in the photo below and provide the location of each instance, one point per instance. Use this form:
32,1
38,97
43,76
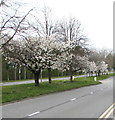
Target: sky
96,17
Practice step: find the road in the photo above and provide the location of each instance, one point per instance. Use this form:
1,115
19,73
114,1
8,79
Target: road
32,81
86,102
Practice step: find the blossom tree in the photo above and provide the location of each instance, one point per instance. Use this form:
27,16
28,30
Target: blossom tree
42,26
102,67
34,53
71,32
55,49
68,32
71,62
91,67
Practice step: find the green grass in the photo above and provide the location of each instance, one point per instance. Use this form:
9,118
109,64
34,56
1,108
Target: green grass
105,76
19,92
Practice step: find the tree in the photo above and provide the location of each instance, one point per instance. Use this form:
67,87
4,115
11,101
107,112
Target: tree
102,55
71,62
34,53
44,27
91,67
102,67
109,60
12,21
71,31
47,44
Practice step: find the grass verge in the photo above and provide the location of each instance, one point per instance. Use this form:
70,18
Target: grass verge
105,76
19,92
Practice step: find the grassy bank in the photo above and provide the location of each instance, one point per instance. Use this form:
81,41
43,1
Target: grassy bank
105,76
19,92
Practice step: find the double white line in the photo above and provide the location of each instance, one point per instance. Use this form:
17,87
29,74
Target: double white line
108,112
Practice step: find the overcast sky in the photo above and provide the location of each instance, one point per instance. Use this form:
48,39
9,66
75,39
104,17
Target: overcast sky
96,17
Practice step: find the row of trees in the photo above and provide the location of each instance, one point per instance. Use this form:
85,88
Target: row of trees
37,54
49,53
45,44
11,71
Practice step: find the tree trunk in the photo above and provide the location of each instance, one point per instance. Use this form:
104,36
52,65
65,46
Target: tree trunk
15,73
49,75
19,72
99,73
8,74
37,76
95,74
89,74
25,73
71,74
71,78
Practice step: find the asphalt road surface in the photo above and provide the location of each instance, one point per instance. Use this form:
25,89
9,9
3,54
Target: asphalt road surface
86,102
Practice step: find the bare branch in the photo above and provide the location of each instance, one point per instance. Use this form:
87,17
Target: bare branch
18,26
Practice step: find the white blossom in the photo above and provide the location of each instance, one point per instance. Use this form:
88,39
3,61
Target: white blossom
91,66
102,66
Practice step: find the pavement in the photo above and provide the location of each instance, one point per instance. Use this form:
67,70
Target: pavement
32,81
41,80
85,102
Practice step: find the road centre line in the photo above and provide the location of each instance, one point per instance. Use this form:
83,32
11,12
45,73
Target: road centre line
59,104
34,114
73,99
56,105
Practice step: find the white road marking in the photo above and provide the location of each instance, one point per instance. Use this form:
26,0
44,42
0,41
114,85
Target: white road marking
91,92
34,114
73,99
107,112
